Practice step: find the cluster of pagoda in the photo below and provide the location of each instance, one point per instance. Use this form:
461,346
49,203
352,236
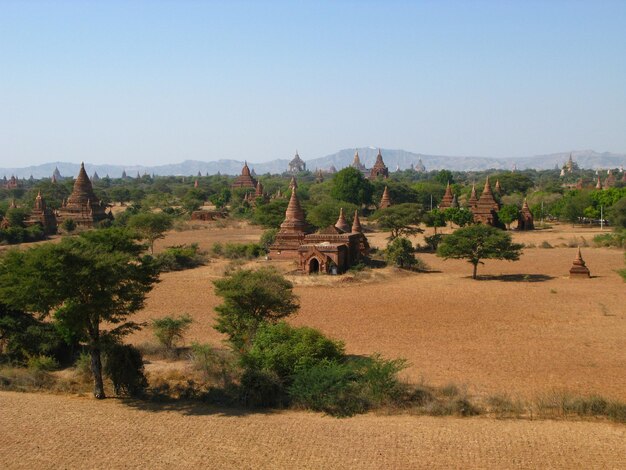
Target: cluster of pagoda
330,250
82,206
485,209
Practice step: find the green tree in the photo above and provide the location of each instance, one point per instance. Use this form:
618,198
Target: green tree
574,205
169,330
617,214
326,212
151,226
252,298
444,177
98,278
435,218
401,220
508,214
459,216
400,252
350,185
478,242
270,215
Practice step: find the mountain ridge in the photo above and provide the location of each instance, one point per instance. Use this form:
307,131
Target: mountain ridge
393,158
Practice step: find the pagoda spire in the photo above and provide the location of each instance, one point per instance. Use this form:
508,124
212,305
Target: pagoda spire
294,216
385,201
341,223
579,269
356,223
473,200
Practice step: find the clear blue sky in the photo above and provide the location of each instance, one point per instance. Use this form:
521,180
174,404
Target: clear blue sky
138,82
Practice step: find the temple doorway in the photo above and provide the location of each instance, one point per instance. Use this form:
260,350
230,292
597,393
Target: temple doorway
314,266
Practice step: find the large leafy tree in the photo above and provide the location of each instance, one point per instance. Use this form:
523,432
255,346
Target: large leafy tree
98,278
350,185
508,214
252,298
435,218
400,252
400,220
326,212
151,226
478,242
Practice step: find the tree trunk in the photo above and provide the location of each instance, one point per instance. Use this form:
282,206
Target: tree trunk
96,370
475,270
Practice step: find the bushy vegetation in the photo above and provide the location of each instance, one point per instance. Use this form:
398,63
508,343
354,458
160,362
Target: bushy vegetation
170,330
180,257
238,250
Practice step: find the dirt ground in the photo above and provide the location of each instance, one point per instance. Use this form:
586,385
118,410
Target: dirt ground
51,432
523,329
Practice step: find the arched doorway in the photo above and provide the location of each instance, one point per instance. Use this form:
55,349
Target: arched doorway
314,266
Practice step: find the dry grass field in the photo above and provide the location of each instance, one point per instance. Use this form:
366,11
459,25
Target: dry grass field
523,329
51,432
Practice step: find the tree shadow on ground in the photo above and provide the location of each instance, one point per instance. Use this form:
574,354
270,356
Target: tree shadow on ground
516,277
190,407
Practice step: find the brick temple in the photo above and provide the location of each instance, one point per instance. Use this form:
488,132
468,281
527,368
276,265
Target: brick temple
330,250
83,206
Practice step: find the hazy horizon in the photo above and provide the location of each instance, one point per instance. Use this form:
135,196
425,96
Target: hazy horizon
151,83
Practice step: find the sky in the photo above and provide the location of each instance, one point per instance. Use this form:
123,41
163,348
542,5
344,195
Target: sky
154,82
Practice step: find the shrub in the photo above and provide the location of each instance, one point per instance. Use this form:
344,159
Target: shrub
213,364
545,244
180,257
400,253
83,365
42,363
168,330
380,382
432,242
284,349
68,225
124,366
261,388
616,239
328,386
267,239
237,250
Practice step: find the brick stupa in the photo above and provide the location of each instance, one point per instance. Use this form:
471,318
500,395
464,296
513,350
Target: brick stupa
385,200
525,221
579,270
447,199
356,223
42,215
473,200
83,206
486,209
342,223
245,180
379,168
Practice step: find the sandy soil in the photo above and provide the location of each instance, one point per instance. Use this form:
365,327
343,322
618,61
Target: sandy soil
523,329
46,431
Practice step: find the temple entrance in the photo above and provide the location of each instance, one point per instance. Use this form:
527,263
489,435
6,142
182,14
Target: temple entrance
314,266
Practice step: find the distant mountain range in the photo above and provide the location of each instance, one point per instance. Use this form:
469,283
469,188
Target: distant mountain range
393,159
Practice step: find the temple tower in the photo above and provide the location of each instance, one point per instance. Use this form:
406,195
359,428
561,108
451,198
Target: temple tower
485,211
245,180
526,220
379,168
385,200
83,206
341,223
446,201
356,223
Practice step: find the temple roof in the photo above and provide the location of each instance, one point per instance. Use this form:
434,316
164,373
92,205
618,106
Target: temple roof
342,223
83,191
385,200
356,223
294,216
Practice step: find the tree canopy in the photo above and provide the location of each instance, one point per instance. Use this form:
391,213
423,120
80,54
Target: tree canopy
151,226
477,242
85,281
250,299
350,185
400,219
